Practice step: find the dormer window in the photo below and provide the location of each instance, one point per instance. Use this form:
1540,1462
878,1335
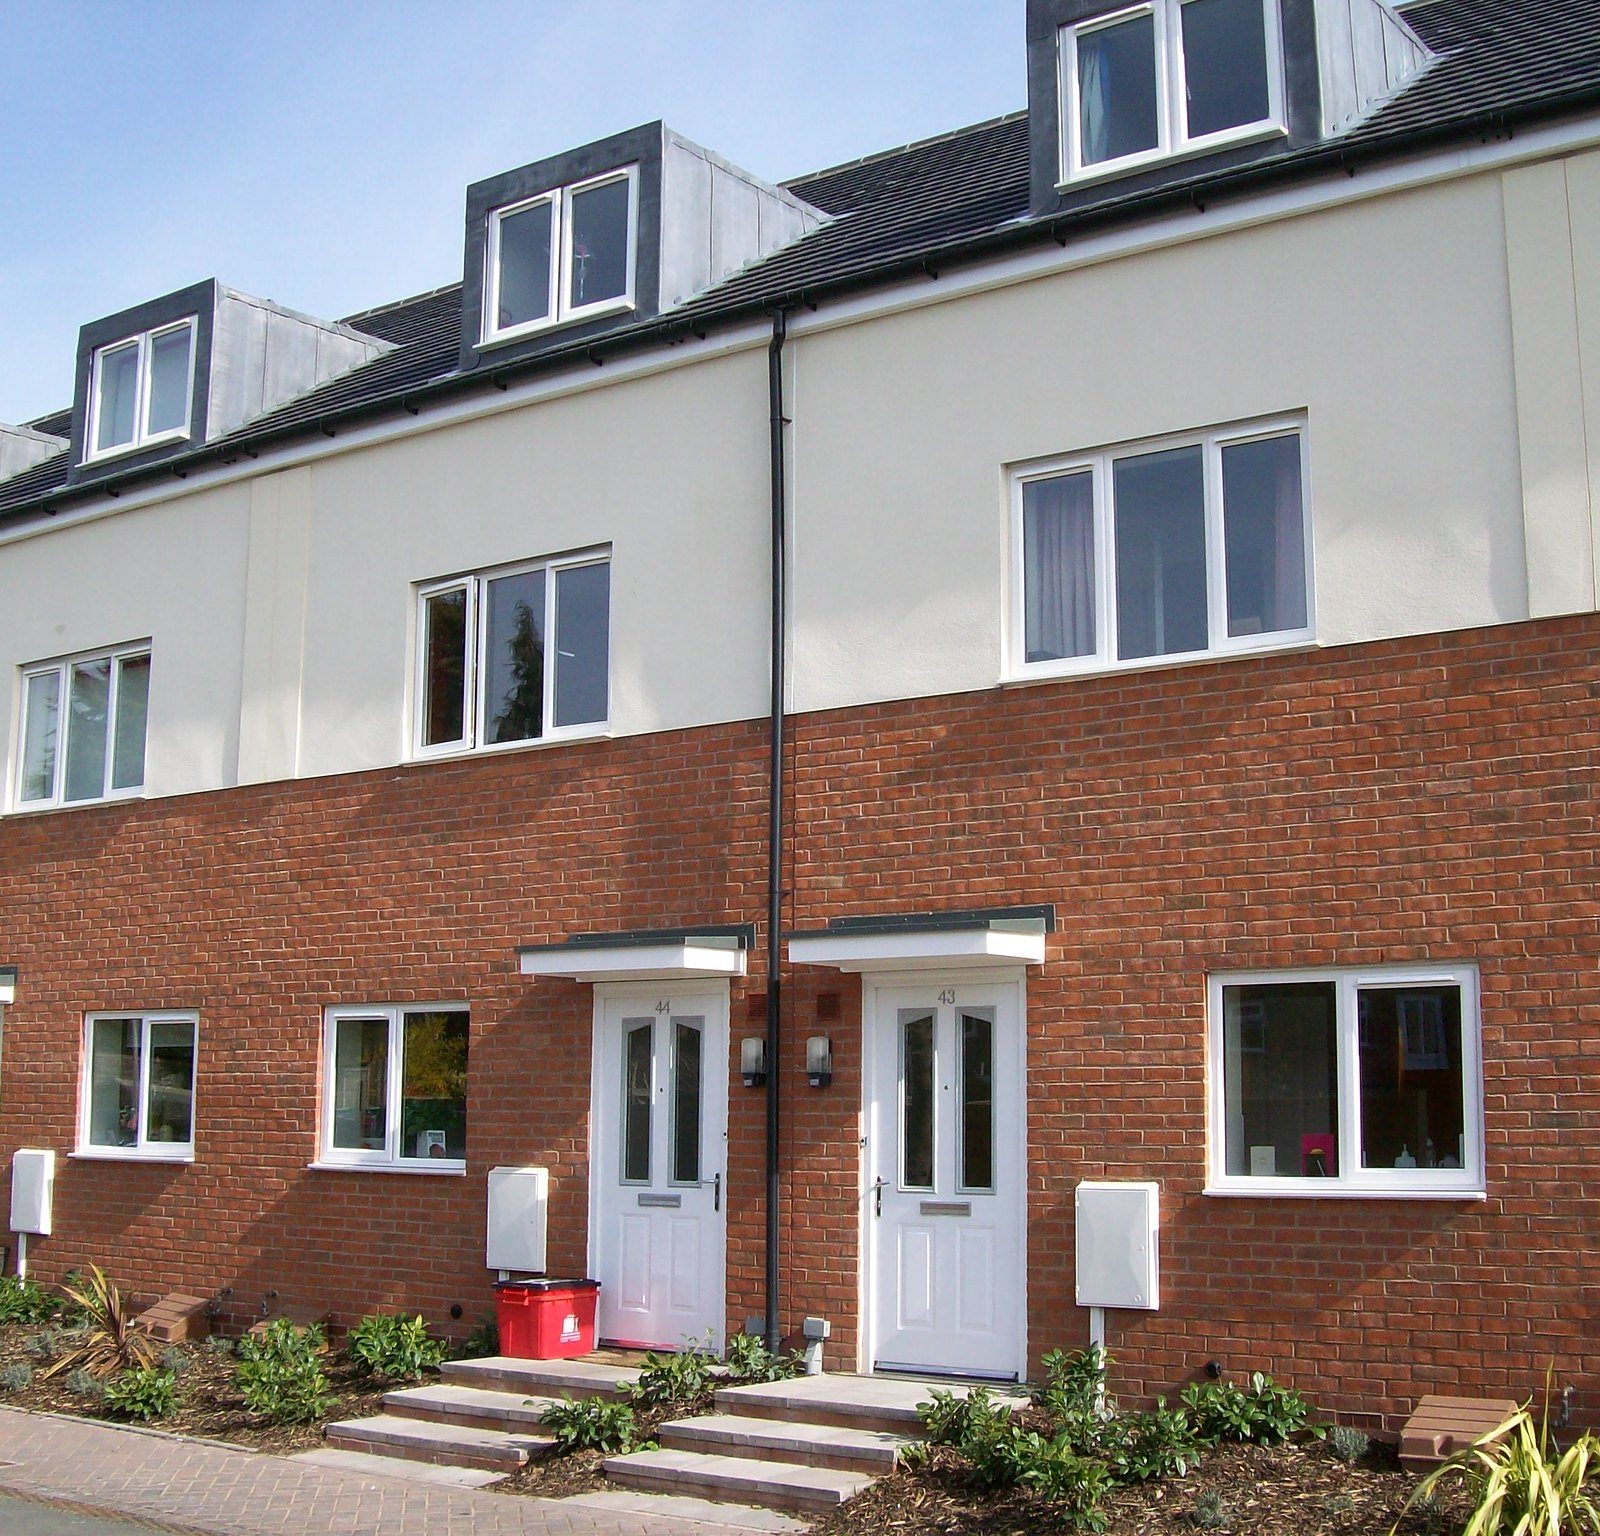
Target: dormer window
141,390
1167,78
563,255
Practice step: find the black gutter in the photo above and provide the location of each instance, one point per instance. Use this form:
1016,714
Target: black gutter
1194,194
777,421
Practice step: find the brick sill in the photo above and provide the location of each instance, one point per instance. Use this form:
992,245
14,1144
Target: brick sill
1347,1192
448,1171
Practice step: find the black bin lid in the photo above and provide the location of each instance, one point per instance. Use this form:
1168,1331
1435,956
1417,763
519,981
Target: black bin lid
547,1285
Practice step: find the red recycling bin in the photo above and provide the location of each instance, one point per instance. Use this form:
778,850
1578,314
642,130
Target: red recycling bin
546,1319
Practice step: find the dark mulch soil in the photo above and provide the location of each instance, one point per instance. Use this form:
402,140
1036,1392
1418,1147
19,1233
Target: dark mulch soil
207,1404
1291,1490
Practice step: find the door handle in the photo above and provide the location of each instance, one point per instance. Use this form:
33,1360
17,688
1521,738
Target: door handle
877,1196
716,1193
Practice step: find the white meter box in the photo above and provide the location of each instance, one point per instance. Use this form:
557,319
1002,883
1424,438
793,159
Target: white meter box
1118,1261
33,1181
519,1200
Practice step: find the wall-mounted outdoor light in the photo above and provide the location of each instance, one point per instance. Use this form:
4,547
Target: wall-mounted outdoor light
753,1060
819,1061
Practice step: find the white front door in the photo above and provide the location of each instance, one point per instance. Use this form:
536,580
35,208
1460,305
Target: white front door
946,1195
657,1163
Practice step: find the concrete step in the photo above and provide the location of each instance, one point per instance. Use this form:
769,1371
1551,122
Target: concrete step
541,1378
884,1403
445,1445
476,1407
773,1484
368,1465
810,1445
661,1508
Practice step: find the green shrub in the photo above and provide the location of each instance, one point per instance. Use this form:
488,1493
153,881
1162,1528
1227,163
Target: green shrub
280,1374
1519,1483
82,1383
482,1342
216,1344
1263,1412
16,1376
592,1424
45,1345
1210,1513
144,1393
176,1359
397,1348
1075,1385
21,1301
749,1359
1347,1442
1158,1443
678,1378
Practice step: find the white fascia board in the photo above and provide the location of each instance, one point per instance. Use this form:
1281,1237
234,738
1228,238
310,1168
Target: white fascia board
916,949
677,960
8,984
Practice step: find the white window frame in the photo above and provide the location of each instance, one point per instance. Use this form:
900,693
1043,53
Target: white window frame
392,1158
62,668
142,436
1099,462
1352,1180
476,674
142,1151
562,310
1172,136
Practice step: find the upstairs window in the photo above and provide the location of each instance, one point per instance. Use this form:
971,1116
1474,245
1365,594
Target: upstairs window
514,655
1185,547
561,256
83,728
140,390
1168,78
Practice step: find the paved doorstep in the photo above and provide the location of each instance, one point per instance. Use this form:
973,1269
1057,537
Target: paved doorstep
213,1490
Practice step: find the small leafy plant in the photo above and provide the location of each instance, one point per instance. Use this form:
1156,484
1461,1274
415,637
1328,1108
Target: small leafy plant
280,1374
21,1301
1347,1443
82,1383
144,1393
482,1342
1520,1482
16,1377
749,1360
109,1342
397,1348
678,1378
592,1424
1210,1512
176,1360
44,1346
1263,1412
217,1345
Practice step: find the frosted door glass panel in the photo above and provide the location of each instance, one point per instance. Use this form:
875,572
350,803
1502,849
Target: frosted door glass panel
1058,566
433,1086
600,243
361,1084
525,267
169,381
1161,553
686,1091
917,1097
1411,1077
444,666
1280,1068
171,1110
514,689
977,1100
637,1089
583,644
1224,64
114,1083
1117,90
119,396
88,700
1264,531
41,727
133,708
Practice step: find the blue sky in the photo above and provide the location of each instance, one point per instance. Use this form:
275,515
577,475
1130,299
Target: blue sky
318,153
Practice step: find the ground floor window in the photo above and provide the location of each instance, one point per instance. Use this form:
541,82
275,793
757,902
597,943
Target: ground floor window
1326,1082
138,1085
395,1088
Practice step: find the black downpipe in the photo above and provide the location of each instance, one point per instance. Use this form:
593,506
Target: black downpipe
779,421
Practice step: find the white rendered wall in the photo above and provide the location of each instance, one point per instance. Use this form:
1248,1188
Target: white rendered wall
1387,322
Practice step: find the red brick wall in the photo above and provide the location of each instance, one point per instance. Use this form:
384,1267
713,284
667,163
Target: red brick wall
1422,799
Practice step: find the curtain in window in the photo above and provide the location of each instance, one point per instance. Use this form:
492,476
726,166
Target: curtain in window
1094,67
1058,566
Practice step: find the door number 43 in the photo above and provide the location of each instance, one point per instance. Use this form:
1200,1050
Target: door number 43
948,995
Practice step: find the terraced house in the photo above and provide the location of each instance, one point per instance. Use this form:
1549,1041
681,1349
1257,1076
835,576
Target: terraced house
829,717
